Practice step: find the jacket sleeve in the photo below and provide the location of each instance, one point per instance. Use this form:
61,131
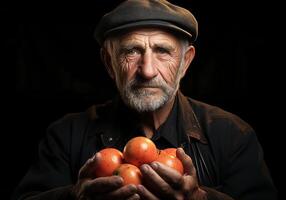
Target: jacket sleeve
243,172
50,177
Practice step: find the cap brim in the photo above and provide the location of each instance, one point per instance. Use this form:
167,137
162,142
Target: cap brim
148,23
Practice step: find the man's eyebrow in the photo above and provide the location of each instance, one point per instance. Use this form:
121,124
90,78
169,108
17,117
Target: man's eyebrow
164,46
129,45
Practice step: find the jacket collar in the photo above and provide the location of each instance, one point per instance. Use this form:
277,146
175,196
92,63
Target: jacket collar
110,119
189,120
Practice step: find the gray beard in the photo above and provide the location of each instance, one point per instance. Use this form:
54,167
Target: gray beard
144,100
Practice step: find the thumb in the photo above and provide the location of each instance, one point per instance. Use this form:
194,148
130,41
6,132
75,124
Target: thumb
86,170
187,162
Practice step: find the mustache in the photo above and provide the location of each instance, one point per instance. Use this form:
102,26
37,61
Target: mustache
138,82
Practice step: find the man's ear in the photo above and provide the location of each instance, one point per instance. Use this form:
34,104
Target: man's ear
188,57
106,59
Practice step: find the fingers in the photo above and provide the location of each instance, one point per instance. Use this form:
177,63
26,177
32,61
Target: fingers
171,176
187,162
163,181
145,194
134,197
189,184
191,189
154,182
160,181
106,188
86,169
103,184
125,192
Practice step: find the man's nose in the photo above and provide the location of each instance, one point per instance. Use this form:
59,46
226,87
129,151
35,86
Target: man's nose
146,68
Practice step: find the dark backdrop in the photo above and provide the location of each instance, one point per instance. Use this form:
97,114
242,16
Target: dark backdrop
52,68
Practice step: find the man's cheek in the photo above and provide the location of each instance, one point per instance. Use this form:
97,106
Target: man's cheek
169,71
168,77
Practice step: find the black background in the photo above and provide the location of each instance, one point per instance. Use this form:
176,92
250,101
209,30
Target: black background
50,68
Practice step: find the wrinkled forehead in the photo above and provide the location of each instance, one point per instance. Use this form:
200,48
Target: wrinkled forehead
150,35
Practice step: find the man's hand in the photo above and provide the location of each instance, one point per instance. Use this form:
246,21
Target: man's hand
88,187
162,182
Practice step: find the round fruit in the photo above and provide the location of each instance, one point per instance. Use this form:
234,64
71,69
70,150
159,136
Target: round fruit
171,161
170,151
106,161
130,174
140,150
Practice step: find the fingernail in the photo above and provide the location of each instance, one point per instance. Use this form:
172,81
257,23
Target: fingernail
136,196
119,180
154,165
144,168
92,158
181,150
140,188
132,188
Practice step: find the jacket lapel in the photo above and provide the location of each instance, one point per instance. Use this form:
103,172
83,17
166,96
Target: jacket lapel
188,120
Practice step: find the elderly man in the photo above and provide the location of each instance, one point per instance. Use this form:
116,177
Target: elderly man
147,46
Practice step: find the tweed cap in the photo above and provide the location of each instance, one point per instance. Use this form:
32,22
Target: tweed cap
132,14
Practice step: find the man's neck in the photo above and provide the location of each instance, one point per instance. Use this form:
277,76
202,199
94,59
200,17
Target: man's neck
151,121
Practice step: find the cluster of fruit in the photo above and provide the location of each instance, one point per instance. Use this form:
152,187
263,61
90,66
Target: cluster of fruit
137,151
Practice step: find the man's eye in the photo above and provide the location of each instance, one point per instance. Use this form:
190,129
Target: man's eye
162,50
131,52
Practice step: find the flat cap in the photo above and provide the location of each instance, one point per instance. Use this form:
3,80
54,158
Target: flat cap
147,13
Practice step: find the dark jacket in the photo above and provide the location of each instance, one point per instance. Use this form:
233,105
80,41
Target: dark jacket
225,151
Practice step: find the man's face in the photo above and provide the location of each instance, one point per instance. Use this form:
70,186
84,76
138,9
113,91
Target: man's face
148,65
